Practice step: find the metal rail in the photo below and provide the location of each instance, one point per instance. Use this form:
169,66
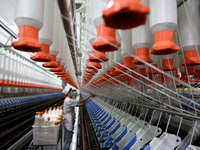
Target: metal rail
7,29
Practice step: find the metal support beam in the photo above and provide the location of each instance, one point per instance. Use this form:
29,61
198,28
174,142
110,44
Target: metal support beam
7,29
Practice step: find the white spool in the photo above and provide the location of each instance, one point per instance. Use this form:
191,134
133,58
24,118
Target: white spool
103,68
98,6
126,43
189,27
107,64
142,36
54,47
163,15
46,33
111,56
29,12
117,54
60,54
65,50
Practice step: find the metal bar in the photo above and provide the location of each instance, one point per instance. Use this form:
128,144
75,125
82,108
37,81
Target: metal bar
168,111
7,29
67,26
22,141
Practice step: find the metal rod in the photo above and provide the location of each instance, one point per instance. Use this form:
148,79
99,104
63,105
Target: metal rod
168,111
7,29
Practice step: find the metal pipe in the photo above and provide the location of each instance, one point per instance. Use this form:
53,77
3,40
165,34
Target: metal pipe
7,29
168,111
67,26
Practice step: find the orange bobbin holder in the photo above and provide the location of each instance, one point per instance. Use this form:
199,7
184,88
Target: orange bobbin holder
143,72
128,63
167,65
27,40
42,56
164,43
107,35
89,73
190,70
125,14
98,57
62,75
91,70
58,69
197,73
142,53
62,72
191,58
107,73
119,69
94,65
185,77
162,79
151,78
52,64
112,72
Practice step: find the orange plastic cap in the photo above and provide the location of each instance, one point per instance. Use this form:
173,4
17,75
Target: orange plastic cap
125,14
191,58
37,113
119,69
27,39
91,70
42,56
60,73
107,35
107,73
197,73
48,118
128,63
58,69
143,72
98,57
142,53
93,65
52,64
112,72
164,43
190,70
167,65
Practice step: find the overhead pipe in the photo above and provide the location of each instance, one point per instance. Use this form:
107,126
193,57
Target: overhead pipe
67,27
